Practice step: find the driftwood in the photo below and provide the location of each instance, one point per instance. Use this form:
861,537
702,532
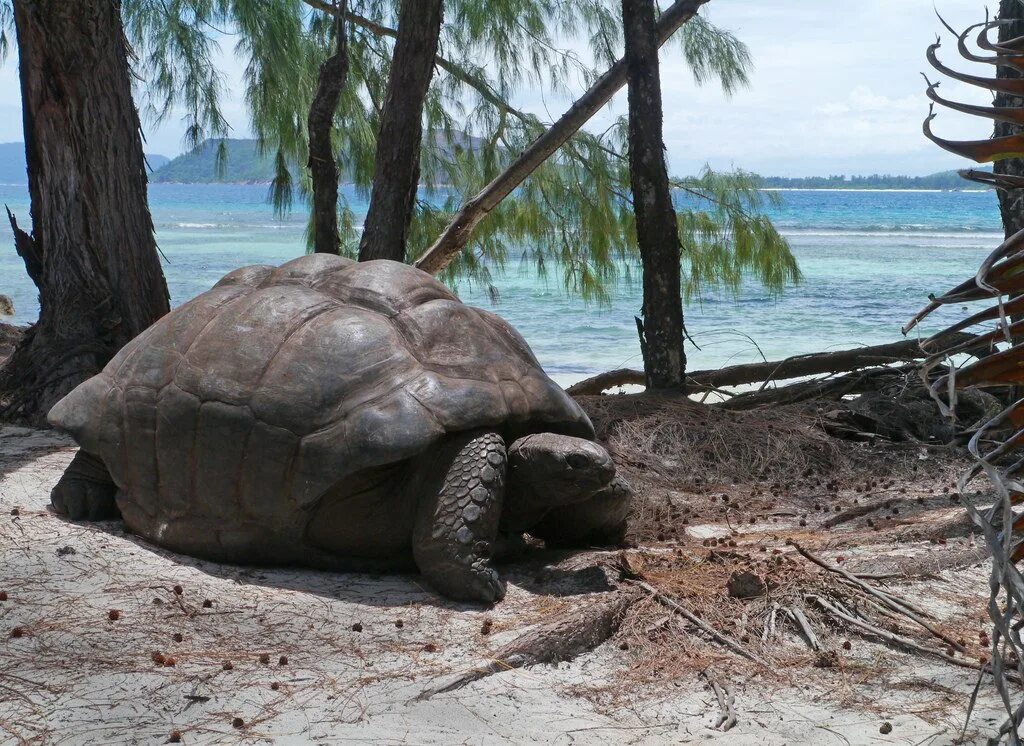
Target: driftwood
799,366
563,638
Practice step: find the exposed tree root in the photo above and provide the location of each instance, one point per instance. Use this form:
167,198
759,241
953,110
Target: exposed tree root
563,638
726,702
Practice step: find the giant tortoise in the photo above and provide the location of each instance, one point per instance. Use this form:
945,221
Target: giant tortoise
340,415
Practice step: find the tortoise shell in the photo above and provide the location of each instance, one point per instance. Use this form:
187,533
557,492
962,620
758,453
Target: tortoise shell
252,400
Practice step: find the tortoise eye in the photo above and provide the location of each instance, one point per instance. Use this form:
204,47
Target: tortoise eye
577,460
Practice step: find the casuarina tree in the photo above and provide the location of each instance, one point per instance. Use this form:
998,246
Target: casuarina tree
91,250
397,163
661,322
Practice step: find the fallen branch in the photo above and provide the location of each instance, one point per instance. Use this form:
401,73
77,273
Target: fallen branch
800,619
893,603
726,701
890,637
563,638
798,366
858,511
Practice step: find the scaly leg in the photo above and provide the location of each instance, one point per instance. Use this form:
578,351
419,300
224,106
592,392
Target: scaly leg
461,488
86,491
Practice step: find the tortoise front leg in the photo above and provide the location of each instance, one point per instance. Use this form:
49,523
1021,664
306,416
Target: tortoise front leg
461,487
85,490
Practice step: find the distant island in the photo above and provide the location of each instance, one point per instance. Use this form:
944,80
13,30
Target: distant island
946,180
246,163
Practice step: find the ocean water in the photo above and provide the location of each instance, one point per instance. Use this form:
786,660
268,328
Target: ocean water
869,260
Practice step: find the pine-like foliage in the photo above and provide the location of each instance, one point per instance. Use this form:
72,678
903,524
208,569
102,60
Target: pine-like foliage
572,215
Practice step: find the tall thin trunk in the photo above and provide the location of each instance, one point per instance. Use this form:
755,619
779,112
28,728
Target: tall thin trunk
457,234
661,329
1011,202
397,166
92,253
323,165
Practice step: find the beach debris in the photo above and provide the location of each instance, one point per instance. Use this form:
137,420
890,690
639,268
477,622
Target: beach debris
113,615
885,728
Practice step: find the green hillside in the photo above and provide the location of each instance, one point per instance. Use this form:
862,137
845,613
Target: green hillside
244,163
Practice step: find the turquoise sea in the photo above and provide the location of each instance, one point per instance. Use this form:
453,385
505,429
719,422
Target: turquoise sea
869,261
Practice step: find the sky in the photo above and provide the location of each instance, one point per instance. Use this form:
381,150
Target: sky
836,88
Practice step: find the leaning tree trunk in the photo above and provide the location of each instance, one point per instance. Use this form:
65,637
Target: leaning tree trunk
661,328
1011,201
459,231
323,165
397,166
92,253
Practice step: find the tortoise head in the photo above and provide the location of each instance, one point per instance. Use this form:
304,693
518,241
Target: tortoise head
558,468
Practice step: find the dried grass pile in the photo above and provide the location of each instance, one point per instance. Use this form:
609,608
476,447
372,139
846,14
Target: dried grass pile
674,441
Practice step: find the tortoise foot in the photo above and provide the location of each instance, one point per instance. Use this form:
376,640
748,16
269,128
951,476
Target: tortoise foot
457,520
86,491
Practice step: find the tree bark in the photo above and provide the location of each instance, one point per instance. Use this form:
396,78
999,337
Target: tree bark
657,231
323,165
1011,202
92,253
397,165
457,234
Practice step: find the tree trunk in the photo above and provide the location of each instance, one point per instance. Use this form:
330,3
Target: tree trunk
661,328
397,165
92,253
323,165
1011,202
458,232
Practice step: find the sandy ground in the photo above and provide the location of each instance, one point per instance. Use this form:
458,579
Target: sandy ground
89,610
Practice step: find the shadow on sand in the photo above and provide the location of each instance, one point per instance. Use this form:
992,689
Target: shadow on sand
536,571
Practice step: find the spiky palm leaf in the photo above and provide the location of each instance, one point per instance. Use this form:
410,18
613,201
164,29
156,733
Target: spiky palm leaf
997,444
